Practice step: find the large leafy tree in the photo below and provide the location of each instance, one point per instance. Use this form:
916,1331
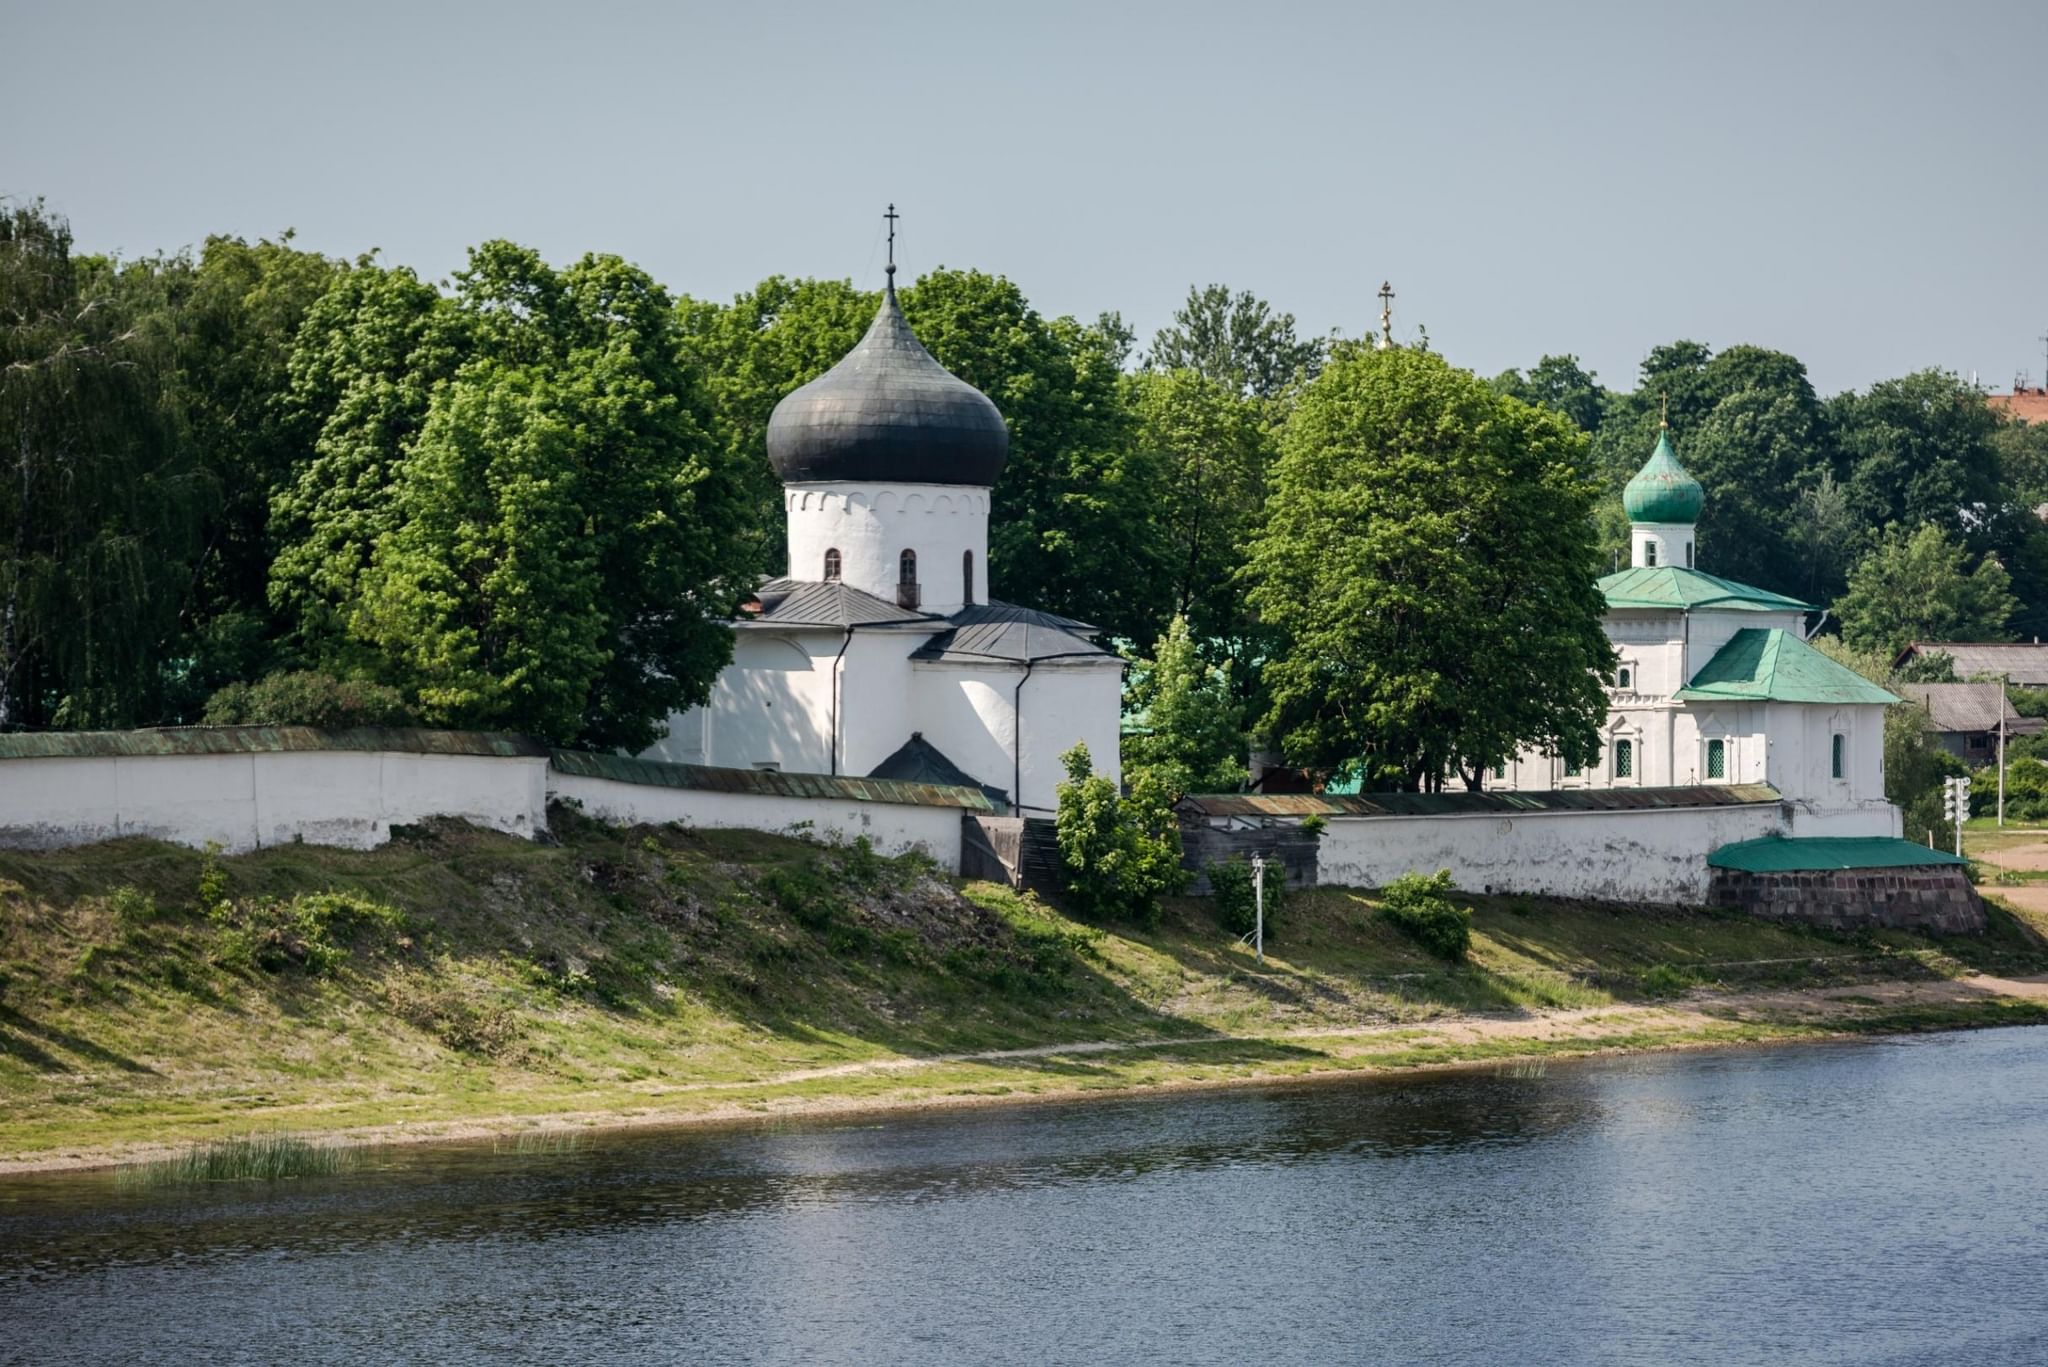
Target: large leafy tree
1237,341
1917,584
1216,450
532,525
1428,559
363,372
102,505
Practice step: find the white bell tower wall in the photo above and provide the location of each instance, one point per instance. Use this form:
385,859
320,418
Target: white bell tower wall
1661,543
871,525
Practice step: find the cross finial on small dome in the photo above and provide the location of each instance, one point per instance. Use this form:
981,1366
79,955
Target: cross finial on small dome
892,216
1664,410
1386,314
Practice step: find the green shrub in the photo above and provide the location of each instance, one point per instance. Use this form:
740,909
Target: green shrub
1314,824
307,698
131,906
1121,854
1419,907
1665,980
311,933
1236,906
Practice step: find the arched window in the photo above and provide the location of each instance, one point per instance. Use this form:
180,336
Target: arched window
1717,759
832,566
1624,759
1624,678
1841,757
1688,555
906,568
967,576
1649,553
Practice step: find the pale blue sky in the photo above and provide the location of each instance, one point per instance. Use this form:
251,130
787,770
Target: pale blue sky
1860,184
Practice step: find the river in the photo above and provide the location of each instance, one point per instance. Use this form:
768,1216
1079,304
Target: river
1874,1202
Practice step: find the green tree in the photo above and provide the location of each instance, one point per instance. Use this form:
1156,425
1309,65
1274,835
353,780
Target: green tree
566,539
1215,449
1562,385
1917,586
1121,854
1919,450
1428,560
363,370
1193,740
102,504
1236,341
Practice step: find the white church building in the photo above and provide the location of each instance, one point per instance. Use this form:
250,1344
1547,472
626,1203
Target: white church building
1716,683
880,653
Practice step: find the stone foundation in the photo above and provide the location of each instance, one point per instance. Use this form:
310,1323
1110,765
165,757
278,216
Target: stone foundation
1924,897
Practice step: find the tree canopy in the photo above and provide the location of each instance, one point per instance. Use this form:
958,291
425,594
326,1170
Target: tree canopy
1428,561
1236,341
1916,585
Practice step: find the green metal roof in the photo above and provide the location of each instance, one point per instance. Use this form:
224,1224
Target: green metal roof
1677,589
260,740
1482,803
766,782
1662,491
1792,854
1775,666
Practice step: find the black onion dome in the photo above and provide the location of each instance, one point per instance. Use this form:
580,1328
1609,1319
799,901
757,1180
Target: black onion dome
888,414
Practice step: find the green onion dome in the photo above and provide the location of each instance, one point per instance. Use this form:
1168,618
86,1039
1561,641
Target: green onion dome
1662,491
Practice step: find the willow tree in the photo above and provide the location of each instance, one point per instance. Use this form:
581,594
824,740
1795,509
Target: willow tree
100,502
1428,560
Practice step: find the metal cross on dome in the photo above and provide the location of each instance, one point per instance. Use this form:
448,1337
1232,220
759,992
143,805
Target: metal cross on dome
892,216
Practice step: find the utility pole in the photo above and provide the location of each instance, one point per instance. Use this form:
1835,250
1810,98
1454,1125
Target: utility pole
2001,752
1259,906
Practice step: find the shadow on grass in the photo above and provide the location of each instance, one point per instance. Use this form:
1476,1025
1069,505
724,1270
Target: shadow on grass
18,1027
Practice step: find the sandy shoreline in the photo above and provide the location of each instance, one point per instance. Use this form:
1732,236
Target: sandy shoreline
1698,1021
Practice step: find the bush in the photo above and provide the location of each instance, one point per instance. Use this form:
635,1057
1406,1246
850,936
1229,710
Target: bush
311,933
1236,906
306,698
1121,854
1419,907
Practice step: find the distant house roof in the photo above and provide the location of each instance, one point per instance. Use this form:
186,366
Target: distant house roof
2027,405
795,603
1677,589
1760,665
2022,663
1793,854
1477,804
1971,707
917,760
1003,632
261,740
765,782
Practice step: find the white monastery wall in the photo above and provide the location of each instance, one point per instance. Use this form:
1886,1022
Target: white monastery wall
772,705
245,801
877,698
1636,856
893,828
871,525
968,713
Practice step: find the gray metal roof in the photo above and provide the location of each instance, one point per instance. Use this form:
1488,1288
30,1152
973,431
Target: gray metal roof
917,760
1959,707
888,412
1473,804
1005,632
765,782
797,603
2025,664
261,740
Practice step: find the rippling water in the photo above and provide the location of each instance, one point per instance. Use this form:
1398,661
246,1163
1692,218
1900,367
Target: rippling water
1869,1203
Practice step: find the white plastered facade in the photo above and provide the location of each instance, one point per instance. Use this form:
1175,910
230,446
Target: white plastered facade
841,700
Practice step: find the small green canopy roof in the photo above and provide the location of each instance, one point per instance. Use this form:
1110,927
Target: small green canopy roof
1662,491
1775,666
1794,854
1675,588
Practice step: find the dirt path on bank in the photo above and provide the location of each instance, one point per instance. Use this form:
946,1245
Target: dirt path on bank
1698,1014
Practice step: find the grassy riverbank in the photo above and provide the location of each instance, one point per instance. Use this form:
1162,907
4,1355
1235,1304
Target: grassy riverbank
462,982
